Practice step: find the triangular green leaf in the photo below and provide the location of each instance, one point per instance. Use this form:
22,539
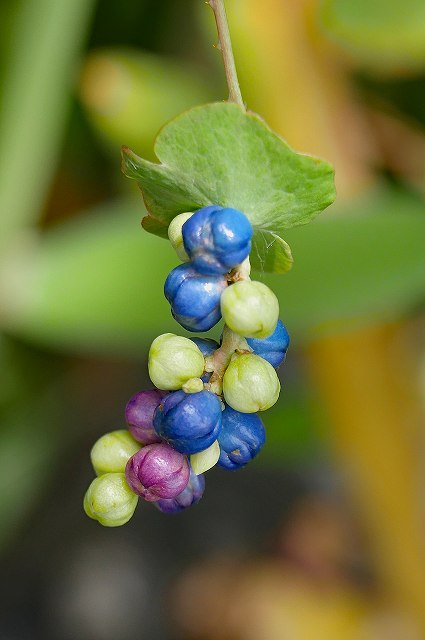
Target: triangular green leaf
219,154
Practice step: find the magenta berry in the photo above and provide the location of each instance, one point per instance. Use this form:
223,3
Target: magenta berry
139,415
157,471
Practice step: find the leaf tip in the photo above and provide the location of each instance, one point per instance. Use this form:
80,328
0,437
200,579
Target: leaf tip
130,162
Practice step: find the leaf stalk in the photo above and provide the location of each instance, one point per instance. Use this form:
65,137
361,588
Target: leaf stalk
225,46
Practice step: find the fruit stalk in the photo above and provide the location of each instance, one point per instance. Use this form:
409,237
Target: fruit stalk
219,362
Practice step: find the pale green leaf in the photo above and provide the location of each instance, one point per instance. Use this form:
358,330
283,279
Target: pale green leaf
219,154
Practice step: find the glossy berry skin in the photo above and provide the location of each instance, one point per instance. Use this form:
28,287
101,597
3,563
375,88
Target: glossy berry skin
250,383
188,497
173,360
274,348
189,422
217,239
112,451
242,436
250,309
194,297
157,471
139,415
207,346
109,500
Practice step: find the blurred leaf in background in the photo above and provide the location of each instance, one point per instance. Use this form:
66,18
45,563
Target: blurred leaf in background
386,35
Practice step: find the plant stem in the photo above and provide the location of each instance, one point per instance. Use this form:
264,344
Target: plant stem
219,362
225,46
231,341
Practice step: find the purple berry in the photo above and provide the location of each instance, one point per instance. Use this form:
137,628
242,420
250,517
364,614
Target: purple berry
139,415
189,496
157,471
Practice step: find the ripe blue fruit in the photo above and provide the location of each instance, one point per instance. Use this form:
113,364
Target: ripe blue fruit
241,437
189,496
217,239
274,348
207,346
194,298
189,422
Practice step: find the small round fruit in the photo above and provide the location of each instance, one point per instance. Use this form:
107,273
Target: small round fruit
173,360
188,497
250,309
157,471
139,415
189,422
109,500
241,438
194,297
205,460
175,234
274,348
250,383
217,239
112,451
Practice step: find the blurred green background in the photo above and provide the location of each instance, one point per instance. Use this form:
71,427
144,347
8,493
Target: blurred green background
323,536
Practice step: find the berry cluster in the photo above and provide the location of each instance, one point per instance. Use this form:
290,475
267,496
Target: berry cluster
203,410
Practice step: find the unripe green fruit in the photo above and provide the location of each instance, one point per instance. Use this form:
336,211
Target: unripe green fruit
109,500
112,451
206,459
250,383
250,309
194,385
175,234
173,360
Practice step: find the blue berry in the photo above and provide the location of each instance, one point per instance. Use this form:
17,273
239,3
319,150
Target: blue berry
194,298
274,348
189,496
217,239
207,346
241,438
189,422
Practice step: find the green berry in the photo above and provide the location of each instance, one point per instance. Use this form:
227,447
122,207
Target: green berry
112,451
194,385
175,234
250,383
206,459
173,360
250,309
109,500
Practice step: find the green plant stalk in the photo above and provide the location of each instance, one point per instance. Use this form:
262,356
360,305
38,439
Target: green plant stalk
231,341
225,46
45,45
219,361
